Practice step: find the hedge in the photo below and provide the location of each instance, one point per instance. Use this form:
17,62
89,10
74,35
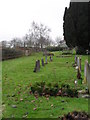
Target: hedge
10,53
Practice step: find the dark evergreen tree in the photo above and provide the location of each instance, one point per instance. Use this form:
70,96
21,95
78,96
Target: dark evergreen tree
76,25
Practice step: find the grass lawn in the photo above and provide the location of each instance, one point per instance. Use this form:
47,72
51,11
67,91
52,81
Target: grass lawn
17,75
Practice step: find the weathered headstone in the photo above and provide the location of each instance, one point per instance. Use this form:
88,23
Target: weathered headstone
80,64
35,69
37,66
75,59
42,62
87,74
85,71
88,77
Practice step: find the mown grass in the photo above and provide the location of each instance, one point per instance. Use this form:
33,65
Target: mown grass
18,75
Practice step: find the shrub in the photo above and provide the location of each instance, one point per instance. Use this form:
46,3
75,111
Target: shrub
53,90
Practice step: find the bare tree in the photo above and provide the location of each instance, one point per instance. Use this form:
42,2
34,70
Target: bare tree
15,42
58,40
40,34
4,44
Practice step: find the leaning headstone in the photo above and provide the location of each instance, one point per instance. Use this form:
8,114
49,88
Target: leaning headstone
42,62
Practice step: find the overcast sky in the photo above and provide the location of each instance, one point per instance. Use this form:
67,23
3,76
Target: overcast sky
16,16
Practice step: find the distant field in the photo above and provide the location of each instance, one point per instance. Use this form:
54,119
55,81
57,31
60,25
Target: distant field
17,75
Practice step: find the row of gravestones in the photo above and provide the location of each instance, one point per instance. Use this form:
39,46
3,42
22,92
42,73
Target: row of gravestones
37,65
86,71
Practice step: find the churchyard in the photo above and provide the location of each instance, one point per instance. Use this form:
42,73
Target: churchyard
29,89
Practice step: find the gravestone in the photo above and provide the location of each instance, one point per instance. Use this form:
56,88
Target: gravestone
75,59
37,66
42,62
80,63
35,69
46,59
85,71
88,76
52,58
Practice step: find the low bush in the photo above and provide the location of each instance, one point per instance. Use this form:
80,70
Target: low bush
53,89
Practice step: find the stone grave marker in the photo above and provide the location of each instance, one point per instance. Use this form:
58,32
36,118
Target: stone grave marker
37,66
35,69
75,59
80,63
42,62
85,71
88,76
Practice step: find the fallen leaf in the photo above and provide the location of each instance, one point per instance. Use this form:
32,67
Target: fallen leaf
33,101
52,105
47,98
21,99
14,106
34,108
